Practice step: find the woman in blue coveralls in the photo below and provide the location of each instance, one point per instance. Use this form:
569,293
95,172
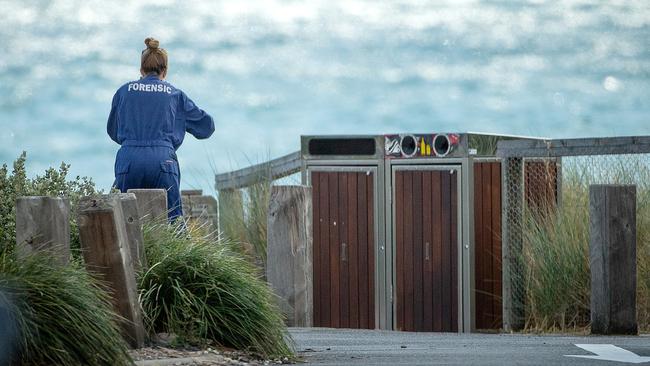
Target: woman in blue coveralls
149,118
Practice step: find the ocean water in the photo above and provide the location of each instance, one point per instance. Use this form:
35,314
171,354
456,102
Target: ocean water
271,70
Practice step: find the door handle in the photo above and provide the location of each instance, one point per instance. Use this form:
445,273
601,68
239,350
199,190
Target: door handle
426,252
343,252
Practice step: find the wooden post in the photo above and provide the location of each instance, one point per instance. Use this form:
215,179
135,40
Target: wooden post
133,230
513,291
201,210
612,258
152,204
104,244
42,223
192,192
289,252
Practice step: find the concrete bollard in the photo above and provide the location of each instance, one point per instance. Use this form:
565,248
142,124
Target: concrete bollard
289,252
133,230
152,204
612,258
42,223
104,244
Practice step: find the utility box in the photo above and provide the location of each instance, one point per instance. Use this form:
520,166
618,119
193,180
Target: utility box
347,179
407,230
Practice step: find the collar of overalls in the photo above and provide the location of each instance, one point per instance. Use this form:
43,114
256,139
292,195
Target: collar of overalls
150,76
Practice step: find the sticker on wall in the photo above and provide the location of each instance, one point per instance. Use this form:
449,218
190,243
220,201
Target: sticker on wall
420,145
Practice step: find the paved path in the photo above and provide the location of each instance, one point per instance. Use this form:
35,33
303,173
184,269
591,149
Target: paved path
324,346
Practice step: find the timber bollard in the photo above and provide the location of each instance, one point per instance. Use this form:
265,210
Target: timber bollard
200,210
612,259
133,229
42,224
289,252
104,243
152,205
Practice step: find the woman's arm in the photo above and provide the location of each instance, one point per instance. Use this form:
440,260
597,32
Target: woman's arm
113,122
197,122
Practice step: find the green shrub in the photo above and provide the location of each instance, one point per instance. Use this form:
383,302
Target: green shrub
53,183
200,290
62,316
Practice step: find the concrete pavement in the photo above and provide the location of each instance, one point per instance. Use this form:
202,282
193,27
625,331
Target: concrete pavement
323,346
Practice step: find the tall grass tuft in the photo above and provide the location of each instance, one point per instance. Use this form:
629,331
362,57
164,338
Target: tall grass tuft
557,261
200,290
60,314
257,208
556,247
243,218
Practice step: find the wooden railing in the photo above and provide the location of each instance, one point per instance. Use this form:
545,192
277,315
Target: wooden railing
270,170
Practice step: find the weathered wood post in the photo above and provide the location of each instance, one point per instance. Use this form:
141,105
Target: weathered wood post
133,229
42,223
612,258
513,290
104,243
200,209
152,204
289,251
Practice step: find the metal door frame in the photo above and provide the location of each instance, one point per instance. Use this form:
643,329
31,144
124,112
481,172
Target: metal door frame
465,245
382,313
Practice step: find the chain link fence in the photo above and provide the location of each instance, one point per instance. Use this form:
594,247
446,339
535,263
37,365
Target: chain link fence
546,226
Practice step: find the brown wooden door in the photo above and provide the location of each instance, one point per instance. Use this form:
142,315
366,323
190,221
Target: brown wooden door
426,232
487,244
344,249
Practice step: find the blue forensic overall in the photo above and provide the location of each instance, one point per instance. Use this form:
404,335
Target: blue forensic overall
149,118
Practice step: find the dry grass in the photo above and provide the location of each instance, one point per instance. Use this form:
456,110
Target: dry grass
556,251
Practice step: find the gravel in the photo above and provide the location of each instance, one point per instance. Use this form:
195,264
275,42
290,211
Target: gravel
163,356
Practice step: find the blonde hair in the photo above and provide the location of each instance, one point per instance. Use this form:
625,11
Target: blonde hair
154,59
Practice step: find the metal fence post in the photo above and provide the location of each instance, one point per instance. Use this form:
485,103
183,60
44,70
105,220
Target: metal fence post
513,291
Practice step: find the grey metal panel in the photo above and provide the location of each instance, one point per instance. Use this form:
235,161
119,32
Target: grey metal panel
467,247
347,162
520,137
486,159
504,242
391,169
381,306
426,161
388,236
574,147
379,148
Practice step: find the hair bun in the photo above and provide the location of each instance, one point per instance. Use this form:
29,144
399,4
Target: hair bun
151,43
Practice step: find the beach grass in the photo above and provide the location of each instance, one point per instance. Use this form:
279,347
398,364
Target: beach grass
201,290
556,246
